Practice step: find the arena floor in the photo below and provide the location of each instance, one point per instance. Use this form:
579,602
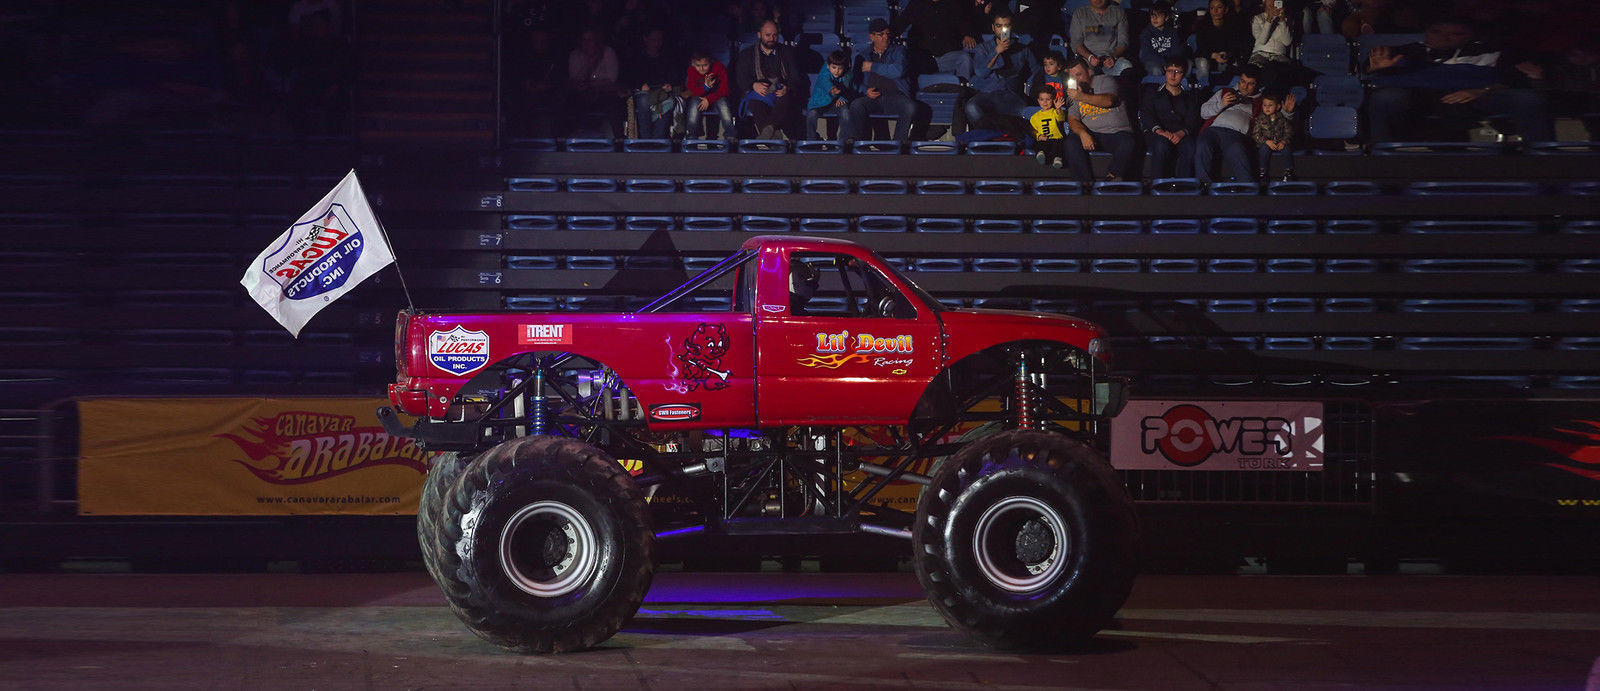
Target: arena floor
807,630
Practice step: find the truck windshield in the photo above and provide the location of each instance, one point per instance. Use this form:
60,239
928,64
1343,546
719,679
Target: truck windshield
915,289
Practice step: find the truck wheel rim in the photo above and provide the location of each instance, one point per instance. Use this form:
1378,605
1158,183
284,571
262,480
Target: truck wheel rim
548,549
1020,544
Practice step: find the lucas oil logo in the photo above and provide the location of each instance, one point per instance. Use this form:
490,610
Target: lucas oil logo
458,351
316,260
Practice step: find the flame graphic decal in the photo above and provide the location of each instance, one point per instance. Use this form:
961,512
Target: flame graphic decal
830,361
1580,447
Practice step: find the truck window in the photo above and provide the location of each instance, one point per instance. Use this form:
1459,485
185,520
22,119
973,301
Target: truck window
729,291
839,285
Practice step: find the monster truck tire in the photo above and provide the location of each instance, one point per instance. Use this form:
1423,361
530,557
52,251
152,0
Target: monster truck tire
544,545
1026,540
439,484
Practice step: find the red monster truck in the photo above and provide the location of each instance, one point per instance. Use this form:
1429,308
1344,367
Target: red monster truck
781,390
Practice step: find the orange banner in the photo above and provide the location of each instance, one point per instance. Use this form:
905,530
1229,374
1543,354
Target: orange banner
243,457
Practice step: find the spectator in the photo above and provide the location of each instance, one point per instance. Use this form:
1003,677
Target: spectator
1450,70
1048,126
1161,41
1229,114
1272,132
1171,118
772,84
887,88
1324,16
1052,72
1274,43
1099,35
539,76
998,68
592,84
836,86
655,100
1222,40
1572,84
943,34
1099,119
706,84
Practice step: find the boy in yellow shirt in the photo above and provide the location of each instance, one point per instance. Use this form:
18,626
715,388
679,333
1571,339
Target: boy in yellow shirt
1049,126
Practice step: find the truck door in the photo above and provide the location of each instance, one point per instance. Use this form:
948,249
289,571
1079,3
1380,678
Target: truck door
850,348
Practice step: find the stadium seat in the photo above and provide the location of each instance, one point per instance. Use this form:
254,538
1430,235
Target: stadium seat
591,145
1581,226
1233,225
1233,343
1291,265
1333,122
823,224
1290,304
533,184
997,187
763,146
1233,265
650,185
1466,305
591,303
818,146
1350,266
649,223
1352,187
1292,188
1470,226
1338,90
713,185
704,146
532,262
647,146
1288,343
533,144
591,222
1118,266
1116,226
1057,186
997,225
1475,187
648,262
764,224
766,186
1055,265
936,148
591,185
1234,188
940,225
1000,147
825,186
532,222
1348,343
877,146
941,186
1468,265
997,264
942,264
1438,148
1175,187
695,265
941,111
712,223
1174,266
1561,148
1232,305
882,186
1351,226
1057,225
881,224
1465,343
1349,305
1175,226
1579,266
586,262
1118,188
1291,226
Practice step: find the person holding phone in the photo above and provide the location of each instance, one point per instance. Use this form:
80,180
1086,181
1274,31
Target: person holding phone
999,68
1098,121
1099,35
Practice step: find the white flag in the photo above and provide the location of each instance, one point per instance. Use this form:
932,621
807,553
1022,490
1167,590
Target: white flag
332,248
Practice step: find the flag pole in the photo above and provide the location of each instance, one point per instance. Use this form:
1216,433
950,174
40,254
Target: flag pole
383,232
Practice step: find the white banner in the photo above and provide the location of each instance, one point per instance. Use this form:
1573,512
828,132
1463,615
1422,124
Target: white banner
331,249
1218,435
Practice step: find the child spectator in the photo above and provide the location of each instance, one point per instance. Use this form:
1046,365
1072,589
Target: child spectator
1161,41
1048,126
1052,72
707,85
1271,131
831,94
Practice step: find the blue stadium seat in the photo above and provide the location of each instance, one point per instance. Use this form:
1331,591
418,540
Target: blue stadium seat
1338,90
1233,343
704,146
1325,53
1175,226
882,186
587,222
1470,226
1235,188
1228,305
647,146
695,265
1292,188
591,303
943,264
901,264
534,144
1055,265
533,184
824,224
766,186
1348,343
1586,188
1350,266
997,264
1057,186
1291,226
882,224
1577,382
936,148
649,223
763,146
1438,148
1233,225
1057,225
650,185
764,224
1468,265
1465,343
1174,266
941,186
1116,226
818,146
532,262
712,223
1116,266
649,262
877,146
1581,226
713,185
997,225
591,145
825,186
997,187
1352,187
591,185
1294,304
1118,188
1233,265
941,108
1289,343
1466,305
1349,305
1352,226
1584,266
532,222
1333,122
1291,265
1175,186
992,148
586,262
940,225
1475,187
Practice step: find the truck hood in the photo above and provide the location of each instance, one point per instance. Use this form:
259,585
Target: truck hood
972,330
